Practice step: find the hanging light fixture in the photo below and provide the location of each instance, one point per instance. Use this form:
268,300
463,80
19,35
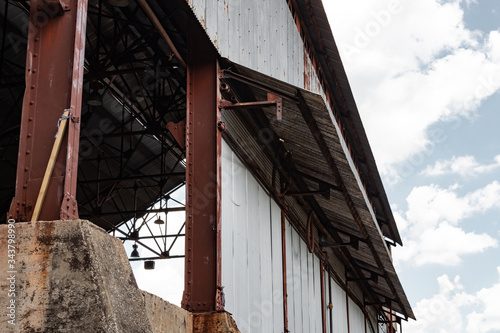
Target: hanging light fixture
134,234
159,221
149,264
135,253
94,99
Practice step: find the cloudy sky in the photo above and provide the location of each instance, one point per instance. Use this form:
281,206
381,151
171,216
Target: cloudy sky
425,75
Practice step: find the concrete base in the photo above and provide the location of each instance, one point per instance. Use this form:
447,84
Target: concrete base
67,276
166,317
71,276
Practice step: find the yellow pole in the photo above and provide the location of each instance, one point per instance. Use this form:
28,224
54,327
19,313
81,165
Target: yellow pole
50,166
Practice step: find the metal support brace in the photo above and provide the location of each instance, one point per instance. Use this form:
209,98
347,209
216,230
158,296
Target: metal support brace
354,242
272,101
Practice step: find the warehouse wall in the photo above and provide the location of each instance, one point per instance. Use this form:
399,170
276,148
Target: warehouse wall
252,273
258,34
339,309
251,250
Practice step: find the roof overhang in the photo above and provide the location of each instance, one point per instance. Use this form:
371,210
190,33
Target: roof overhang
314,162
317,35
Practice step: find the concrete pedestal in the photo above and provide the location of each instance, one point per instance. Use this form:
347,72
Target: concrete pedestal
67,276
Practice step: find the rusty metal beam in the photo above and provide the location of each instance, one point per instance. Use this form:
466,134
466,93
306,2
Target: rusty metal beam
283,261
54,80
161,30
201,273
132,177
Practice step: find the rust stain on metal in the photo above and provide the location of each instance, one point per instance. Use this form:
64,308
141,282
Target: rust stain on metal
307,72
218,322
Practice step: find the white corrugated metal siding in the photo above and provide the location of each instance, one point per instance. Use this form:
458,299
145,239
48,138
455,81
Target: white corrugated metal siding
258,34
251,250
339,310
356,318
303,285
252,258
252,273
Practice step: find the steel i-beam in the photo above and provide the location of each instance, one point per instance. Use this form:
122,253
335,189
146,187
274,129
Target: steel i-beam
202,271
54,80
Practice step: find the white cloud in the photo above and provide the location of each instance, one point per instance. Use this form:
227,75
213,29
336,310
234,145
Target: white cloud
430,205
431,231
441,313
444,245
487,320
407,75
465,166
447,311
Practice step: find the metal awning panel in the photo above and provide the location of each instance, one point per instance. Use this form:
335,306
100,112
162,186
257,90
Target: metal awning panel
308,159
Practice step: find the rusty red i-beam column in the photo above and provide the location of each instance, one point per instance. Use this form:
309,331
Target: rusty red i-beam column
54,80
202,270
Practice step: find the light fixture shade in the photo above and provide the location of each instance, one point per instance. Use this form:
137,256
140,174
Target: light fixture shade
159,221
135,253
149,264
134,235
95,99
118,3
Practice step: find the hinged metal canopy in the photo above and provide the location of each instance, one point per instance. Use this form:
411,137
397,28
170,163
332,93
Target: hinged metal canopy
308,135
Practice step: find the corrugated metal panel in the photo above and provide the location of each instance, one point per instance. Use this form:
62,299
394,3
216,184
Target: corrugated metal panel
261,35
252,263
251,250
356,318
328,314
303,285
339,308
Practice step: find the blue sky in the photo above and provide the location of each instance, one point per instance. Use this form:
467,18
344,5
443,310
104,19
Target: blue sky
425,75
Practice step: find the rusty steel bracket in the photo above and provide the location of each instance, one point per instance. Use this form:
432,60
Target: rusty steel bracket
272,101
54,8
279,105
178,131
